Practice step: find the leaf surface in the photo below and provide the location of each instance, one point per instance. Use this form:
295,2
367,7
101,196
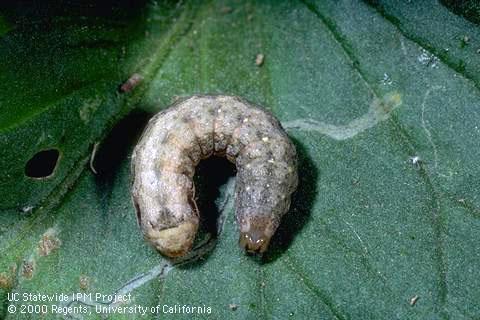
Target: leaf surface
381,99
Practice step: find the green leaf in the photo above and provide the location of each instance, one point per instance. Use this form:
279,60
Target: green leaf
381,99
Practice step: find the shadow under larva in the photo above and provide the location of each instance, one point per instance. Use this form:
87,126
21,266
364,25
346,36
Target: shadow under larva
178,138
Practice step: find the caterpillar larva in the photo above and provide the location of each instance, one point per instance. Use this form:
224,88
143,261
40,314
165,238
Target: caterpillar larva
174,142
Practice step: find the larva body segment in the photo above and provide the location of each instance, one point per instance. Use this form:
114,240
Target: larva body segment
174,142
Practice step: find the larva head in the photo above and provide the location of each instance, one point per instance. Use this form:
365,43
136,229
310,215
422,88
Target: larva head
254,242
175,241
255,234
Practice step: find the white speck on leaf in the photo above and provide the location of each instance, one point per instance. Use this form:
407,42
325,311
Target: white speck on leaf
259,59
428,59
415,160
413,300
386,80
27,209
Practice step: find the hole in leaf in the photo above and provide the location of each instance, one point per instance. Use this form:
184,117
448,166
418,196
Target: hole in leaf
42,164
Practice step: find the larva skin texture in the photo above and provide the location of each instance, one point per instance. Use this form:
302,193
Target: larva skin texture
174,142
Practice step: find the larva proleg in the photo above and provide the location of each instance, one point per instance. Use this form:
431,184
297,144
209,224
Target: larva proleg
178,138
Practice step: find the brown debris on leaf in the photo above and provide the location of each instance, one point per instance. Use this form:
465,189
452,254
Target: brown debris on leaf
84,282
49,242
131,83
28,268
5,281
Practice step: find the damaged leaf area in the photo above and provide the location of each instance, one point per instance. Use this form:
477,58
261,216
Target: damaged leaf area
381,99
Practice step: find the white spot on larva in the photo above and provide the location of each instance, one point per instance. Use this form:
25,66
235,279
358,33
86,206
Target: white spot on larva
219,110
245,120
271,161
265,139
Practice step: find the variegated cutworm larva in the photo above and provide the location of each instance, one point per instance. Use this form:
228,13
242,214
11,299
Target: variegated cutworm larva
174,142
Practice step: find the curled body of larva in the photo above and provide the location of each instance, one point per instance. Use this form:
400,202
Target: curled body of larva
174,142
